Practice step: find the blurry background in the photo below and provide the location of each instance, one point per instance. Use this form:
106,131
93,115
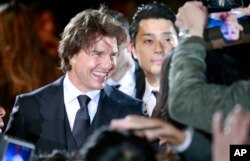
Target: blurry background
65,9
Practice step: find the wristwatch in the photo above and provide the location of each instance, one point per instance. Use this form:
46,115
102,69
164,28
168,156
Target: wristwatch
184,34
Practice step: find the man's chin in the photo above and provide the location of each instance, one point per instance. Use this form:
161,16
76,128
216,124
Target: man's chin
156,70
100,86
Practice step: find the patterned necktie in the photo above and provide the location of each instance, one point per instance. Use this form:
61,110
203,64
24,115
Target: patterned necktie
82,119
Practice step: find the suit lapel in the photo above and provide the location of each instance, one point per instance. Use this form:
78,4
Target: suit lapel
56,123
99,119
107,109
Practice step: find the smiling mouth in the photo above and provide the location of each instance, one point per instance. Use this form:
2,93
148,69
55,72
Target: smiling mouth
100,74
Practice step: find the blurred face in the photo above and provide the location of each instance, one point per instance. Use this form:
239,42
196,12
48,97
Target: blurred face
91,68
154,39
124,58
46,27
230,32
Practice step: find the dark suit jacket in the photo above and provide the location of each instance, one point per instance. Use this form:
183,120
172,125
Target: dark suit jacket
40,116
140,83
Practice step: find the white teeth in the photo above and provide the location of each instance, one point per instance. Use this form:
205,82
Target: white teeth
100,74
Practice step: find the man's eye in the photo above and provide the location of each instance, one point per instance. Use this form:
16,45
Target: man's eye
96,54
114,55
148,41
168,39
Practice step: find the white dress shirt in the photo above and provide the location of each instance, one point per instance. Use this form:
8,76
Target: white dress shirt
149,98
127,81
150,102
71,103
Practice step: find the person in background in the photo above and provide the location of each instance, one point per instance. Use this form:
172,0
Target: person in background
46,26
24,64
193,101
62,114
153,35
127,71
159,10
47,29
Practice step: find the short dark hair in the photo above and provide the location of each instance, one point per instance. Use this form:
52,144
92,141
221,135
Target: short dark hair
109,145
150,10
83,29
119,16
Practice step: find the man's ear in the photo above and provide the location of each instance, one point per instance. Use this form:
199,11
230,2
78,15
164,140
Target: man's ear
133,51
72,60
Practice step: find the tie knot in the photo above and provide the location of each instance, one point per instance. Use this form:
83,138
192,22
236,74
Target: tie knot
116,86
155,93
83,100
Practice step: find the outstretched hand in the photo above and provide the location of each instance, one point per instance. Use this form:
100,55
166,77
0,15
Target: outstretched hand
185,18
245,10
236,130
151,128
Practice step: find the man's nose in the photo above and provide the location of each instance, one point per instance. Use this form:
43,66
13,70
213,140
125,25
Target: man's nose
159,47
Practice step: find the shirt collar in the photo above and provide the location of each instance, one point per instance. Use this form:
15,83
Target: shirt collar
71,92
149,88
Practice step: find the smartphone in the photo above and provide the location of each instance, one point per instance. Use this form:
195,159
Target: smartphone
229,23
16,149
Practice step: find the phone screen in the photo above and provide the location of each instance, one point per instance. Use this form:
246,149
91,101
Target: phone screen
17,150
229,24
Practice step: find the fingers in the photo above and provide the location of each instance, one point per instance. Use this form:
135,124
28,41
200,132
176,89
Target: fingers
150,128
216,124
133,122
245,10
141,126
121,124
236,126
193,3
238,123
185,18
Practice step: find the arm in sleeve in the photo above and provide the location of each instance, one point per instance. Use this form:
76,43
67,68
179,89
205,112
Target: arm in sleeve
192,100
15,126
